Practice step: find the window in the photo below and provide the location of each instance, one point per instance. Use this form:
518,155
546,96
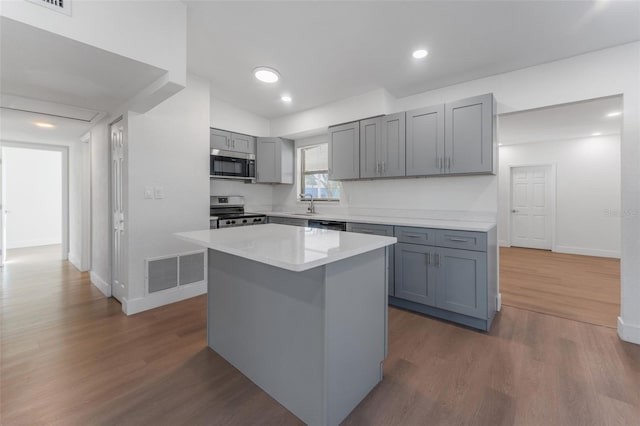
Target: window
314,173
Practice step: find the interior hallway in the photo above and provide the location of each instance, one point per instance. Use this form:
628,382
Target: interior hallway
70,356
582,288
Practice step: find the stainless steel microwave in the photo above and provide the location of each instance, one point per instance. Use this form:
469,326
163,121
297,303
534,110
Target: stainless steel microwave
232,165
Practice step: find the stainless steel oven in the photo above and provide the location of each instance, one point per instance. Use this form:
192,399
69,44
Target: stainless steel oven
232,165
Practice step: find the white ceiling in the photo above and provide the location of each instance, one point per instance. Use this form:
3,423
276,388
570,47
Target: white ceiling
326,51
39,65
19,126
560,122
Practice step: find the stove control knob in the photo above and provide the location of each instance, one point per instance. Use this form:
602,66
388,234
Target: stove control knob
244,220
228,222
233,222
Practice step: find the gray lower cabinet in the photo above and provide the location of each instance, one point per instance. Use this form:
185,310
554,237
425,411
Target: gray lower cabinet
384,230
288,221
468,141
274,160
344,151
434,277
415,280
462,281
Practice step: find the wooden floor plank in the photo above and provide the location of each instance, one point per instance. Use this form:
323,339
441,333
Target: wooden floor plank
582,288
69,356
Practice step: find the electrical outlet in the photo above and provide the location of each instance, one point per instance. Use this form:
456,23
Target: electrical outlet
148,192
158,192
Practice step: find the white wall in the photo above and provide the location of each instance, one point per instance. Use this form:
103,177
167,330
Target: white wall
167,147
228,117
597,74
100,213
33,196
149,32
587,191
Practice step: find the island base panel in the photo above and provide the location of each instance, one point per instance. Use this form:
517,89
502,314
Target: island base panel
313,340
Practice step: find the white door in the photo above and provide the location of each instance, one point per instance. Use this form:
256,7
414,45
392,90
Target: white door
531,207
117,212
3,219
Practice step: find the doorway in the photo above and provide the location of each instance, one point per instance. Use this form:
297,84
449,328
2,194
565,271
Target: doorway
559,210
34,202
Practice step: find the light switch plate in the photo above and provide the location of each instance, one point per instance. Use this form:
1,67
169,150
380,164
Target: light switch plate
148,192
158,192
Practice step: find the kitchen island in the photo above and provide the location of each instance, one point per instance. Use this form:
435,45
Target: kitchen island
301,312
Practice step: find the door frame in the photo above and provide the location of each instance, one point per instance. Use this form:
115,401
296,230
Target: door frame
64,151
552,198
124,259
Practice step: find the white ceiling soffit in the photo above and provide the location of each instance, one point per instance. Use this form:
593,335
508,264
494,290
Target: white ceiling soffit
561,122
37,64
326,51
51,109
20,126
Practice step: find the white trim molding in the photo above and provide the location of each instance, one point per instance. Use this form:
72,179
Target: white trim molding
162,298
499,302
100,284
628,332
587,251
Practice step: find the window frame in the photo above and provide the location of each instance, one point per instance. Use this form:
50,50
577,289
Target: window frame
303,174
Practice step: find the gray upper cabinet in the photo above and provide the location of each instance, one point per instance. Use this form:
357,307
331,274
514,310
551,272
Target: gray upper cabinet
370,140
243,143
462,281
274,160
414,280
344,151
219,139
391,148
469,135
425,141
228,141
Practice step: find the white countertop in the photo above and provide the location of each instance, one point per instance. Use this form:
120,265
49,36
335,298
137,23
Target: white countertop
400,221
288,247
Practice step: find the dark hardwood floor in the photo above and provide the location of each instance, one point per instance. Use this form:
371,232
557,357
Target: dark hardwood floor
70,357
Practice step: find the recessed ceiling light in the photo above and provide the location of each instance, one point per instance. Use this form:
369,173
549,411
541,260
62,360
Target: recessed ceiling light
266,74
43,124
596,134
420,53
614,114
286,98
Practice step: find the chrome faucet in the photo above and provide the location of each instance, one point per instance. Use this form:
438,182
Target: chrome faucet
312,207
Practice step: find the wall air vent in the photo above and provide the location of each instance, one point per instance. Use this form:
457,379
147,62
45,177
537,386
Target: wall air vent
169,272
62,6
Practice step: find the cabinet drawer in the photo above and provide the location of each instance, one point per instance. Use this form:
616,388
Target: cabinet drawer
423,236
466,240
288,221
367,228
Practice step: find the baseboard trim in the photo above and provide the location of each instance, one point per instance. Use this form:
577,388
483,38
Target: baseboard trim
140,304
628,332
587,251
504,243
499,302
101,284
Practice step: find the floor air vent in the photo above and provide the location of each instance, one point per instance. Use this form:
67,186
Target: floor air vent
62,6
164,273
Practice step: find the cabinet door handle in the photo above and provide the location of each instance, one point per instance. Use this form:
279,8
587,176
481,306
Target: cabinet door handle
428,258
384,166
437,260
459,240
377,167
440,163
448,163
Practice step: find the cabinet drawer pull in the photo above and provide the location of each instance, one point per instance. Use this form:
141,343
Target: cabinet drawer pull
459,240
414,236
